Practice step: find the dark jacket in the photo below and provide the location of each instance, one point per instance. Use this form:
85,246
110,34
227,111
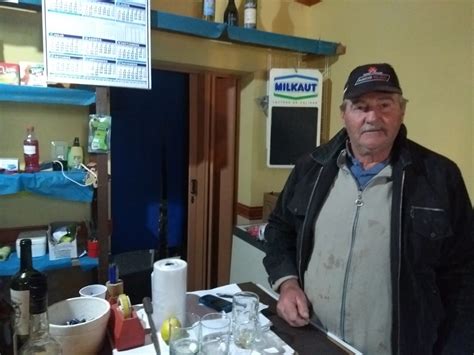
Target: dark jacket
432,242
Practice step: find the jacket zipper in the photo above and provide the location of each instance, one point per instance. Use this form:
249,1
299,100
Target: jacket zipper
300,258
359,203
399,258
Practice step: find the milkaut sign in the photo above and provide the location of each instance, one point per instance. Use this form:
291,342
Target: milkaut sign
294,118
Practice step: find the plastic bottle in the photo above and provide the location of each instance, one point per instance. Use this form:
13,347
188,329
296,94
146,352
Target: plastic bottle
75,155
31,151
208,10
250,14
231,15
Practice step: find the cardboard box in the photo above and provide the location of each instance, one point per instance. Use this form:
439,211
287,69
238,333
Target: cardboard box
269,202
9,73
32,74
62,240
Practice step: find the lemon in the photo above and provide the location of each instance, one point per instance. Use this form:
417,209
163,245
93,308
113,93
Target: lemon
165,329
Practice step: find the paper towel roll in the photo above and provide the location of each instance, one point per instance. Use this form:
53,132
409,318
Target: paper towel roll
168,289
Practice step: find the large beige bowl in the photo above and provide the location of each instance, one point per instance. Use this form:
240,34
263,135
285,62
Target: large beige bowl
82,338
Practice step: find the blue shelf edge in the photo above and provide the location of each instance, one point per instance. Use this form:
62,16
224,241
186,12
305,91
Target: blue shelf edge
279,41
46,95
49,183
165,21
42,263
25,4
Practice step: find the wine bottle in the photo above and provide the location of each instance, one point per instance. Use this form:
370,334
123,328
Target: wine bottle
7,321
208,10
31,151
20,292
231,15
39,341
250,14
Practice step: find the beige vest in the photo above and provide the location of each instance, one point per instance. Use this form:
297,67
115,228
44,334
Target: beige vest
348,280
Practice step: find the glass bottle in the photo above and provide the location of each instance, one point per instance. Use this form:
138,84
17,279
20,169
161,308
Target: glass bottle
208,10
20,292
231,15
7,321
40,341
250,14
31,151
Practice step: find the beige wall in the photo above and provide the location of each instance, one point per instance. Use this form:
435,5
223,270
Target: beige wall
431,45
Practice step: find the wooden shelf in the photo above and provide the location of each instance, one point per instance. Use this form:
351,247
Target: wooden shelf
46,95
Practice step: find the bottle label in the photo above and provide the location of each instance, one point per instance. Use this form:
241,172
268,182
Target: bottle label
29,149
21,304
250,17
208,9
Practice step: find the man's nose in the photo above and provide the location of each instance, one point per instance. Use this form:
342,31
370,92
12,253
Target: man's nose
371,115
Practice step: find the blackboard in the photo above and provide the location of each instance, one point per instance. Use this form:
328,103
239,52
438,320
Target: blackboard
293,133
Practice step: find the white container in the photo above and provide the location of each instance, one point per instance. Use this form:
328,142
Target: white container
96,290
82,338
38,242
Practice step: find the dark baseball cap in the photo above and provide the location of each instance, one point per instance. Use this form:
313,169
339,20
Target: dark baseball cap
371,77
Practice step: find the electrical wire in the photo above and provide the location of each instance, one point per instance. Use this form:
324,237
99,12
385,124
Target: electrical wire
89,171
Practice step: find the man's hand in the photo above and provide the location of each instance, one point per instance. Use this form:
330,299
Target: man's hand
293,304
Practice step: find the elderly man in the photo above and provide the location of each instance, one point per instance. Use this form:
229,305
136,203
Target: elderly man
371,236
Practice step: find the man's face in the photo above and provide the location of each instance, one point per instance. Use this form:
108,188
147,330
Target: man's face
372,122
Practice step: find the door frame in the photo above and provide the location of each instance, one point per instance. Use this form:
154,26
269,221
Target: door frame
213,128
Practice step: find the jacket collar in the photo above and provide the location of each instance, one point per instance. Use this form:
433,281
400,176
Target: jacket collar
330,151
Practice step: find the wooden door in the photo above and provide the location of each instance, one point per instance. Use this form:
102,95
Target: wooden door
212,149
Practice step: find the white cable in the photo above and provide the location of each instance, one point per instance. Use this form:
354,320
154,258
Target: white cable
74,181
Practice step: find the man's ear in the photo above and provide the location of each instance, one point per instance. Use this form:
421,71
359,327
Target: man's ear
343,113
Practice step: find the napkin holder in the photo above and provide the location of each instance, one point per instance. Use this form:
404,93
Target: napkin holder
127,332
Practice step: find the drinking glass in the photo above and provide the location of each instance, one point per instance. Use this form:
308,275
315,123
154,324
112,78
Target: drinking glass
215,334
245,324
184,340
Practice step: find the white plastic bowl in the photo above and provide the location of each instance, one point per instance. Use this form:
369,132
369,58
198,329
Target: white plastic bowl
82,338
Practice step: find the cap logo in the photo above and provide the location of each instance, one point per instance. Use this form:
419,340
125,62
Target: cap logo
371,76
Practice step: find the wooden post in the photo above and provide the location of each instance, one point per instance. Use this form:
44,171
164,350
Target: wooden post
102,204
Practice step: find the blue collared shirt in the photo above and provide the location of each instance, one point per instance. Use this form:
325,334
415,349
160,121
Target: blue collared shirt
363,176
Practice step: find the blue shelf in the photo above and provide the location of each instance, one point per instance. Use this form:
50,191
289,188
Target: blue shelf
46,95
186,25
213,30
25,4
283,42
164,21
49,183
42,263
